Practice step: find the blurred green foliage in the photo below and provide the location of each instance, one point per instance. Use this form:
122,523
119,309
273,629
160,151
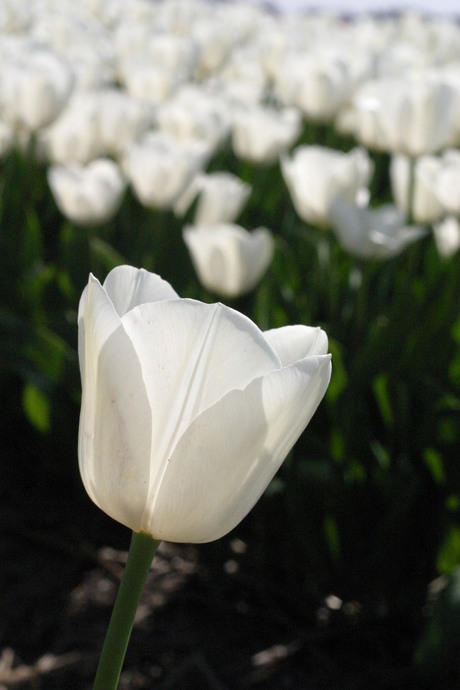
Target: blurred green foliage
367,506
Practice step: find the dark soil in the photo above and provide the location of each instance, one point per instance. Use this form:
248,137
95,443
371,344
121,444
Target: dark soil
202,623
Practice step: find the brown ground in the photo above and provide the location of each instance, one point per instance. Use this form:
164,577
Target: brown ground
200,626
193,630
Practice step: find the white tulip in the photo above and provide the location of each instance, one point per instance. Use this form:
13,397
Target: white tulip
447,236
215,40
160,168
228,259
188,409
85,43
318,84
317,176
121,120
260,134
34,88
194,114
413,116
75,136
87,194
221,196
145,81
372,233
447,183
15,17
418,179
144,40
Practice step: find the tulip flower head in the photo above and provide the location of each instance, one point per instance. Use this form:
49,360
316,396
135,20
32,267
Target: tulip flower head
373,233
228,259
261,134
87,195
35,87
317,176
188,409
160,167
447,236
221,196
414,184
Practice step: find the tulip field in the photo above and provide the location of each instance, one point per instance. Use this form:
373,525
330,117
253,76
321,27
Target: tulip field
204,206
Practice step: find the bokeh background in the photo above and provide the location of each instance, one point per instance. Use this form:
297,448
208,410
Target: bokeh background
165,135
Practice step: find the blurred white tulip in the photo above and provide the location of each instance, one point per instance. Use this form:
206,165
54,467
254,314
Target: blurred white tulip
242,79
194,114
121,120
413,116
86,44
149,83
35,85
317,176
221,196
372,233
260,134
75,136
416,179
447,183
15,17
215,40
161,167
188,409
318,84
172,52
447,236
228,259
87,195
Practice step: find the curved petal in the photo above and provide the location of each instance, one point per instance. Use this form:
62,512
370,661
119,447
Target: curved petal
192,354
259,253
227,457
292,343
115,419
128,287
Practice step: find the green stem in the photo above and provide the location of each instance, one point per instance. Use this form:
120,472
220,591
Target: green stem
411,192
141,553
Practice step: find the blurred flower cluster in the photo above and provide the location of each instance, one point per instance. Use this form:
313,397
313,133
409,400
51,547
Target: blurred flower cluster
148,95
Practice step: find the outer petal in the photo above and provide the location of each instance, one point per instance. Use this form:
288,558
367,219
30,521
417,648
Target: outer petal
292,343
192,354
128,287
229,454
115,420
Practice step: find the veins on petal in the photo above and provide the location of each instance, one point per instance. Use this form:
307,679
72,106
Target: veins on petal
187,406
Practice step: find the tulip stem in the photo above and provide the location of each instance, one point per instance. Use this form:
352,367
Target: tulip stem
141,553
411,192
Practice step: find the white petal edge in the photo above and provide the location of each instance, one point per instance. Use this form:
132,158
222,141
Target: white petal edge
128,287
115,420
292,343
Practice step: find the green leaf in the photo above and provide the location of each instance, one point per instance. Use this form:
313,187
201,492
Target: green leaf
36,408
339,378
449,553
380,388
433,461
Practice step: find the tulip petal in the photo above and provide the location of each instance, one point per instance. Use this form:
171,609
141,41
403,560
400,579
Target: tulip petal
115,420
229,454
292,343
192,354
128,287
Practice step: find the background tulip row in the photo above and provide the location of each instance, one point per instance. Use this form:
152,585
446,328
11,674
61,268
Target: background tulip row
303,172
